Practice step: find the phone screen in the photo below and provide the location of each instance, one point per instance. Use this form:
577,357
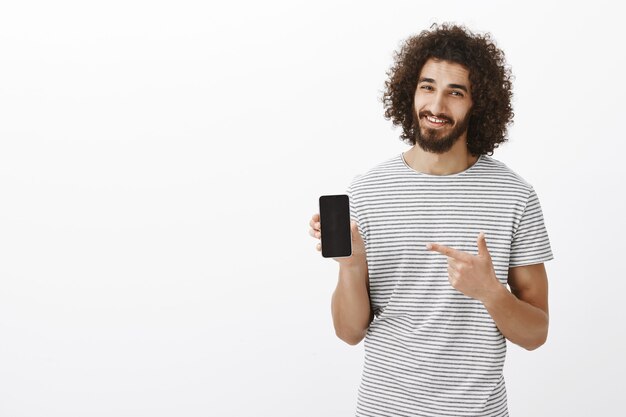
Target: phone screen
335,226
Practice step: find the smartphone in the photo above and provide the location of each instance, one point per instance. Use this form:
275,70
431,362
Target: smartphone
335,225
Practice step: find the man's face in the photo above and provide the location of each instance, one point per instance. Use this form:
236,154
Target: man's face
442,105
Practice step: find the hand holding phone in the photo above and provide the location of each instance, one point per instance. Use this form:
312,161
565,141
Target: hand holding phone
358,245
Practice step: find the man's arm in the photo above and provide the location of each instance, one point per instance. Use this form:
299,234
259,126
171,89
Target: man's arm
522,314
350,303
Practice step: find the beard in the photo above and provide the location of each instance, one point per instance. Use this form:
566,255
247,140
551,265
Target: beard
432,140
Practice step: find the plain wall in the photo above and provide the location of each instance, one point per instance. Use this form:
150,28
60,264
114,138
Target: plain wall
160,162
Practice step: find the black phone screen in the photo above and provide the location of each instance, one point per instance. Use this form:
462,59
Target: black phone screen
335,226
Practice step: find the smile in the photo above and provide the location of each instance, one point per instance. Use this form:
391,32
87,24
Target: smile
435,121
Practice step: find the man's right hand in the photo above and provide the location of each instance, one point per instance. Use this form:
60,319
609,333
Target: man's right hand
358,246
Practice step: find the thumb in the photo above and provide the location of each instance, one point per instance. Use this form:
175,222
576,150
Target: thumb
354,228
353,225
482,245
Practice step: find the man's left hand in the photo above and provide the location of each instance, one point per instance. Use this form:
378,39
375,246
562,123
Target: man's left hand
473,275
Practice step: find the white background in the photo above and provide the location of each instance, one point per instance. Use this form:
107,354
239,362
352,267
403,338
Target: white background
159,164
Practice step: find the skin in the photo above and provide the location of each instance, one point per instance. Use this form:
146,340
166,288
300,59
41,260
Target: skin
444,91
350,303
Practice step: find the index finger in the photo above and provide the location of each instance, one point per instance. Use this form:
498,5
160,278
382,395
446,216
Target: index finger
448,251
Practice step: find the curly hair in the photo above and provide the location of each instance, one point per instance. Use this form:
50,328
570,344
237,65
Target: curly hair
490,79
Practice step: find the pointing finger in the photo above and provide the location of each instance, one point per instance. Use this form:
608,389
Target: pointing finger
450,252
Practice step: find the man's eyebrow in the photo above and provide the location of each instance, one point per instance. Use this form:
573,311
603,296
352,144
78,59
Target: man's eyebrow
459,86
431,80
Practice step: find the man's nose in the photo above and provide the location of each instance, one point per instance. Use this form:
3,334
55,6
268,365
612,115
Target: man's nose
437,105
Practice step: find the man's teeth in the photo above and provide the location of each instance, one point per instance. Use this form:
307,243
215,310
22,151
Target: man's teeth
435,120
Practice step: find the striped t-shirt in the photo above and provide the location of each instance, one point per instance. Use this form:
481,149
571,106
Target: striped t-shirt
431,350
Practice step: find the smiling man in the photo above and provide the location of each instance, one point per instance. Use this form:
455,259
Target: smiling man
438,132
438,232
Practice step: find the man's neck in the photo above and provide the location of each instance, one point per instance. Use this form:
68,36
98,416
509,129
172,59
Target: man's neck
456,160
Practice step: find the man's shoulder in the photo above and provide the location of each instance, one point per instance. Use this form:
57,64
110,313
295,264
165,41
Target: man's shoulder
501,172
379,171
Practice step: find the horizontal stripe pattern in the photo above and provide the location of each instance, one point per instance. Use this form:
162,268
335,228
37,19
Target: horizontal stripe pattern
431,350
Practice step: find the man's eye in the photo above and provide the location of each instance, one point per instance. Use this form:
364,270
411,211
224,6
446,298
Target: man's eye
427,87
457,93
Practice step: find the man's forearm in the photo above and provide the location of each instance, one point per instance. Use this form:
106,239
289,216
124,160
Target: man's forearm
520,322
350,304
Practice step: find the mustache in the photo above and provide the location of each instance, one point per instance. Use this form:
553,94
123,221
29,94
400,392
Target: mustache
425,113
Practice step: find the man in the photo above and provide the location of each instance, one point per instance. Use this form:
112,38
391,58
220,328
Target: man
437,233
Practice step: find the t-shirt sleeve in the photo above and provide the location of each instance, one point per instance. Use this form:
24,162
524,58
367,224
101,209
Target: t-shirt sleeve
530,244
